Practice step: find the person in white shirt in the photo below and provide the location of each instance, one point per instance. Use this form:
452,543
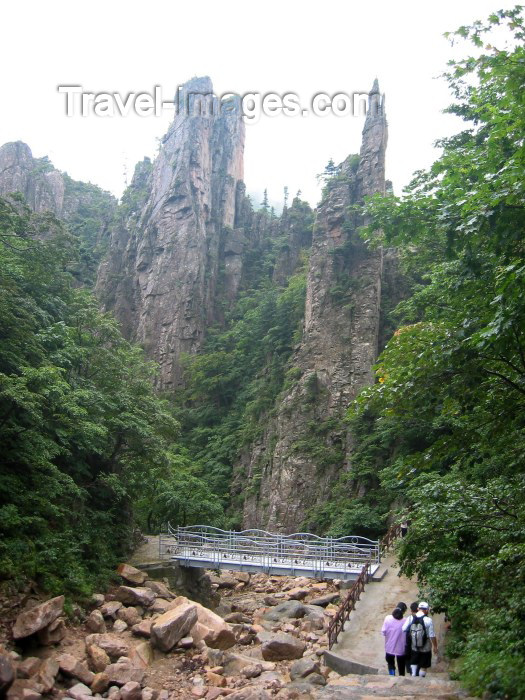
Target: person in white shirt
421,649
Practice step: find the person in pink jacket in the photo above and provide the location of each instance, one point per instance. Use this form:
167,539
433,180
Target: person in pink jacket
395,641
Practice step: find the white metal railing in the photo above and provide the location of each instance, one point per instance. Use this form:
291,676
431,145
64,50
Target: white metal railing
268,550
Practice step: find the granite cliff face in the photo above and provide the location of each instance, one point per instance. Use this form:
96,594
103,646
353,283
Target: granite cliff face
176,249
185,241
304,448
41,185
46,189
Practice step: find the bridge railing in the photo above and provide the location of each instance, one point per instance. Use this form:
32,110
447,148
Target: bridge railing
297,549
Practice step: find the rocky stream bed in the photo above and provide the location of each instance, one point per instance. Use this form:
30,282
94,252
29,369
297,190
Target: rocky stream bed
264,638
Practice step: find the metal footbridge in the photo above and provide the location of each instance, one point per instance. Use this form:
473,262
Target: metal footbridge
299,554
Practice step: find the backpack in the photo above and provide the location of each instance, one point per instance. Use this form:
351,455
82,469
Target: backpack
418,633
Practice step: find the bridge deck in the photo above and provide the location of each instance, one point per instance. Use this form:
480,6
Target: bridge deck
300,554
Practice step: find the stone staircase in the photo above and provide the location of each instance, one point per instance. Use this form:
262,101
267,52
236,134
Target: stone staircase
358,659
383,686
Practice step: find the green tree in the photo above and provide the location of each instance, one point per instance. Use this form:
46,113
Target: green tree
81,430
330,170
446,417
232,385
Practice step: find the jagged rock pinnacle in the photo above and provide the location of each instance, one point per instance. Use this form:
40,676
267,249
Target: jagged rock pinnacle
165,263
375,137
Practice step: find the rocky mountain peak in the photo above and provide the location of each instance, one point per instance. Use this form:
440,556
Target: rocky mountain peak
162,271
35,178
337,352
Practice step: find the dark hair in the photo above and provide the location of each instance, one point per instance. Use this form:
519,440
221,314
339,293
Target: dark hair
414,607
397,614
402,607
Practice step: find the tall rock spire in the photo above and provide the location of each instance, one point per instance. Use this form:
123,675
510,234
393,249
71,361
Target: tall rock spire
373,148
307,446
161,273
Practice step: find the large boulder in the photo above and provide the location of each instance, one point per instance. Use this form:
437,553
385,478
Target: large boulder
298,593
100,683
210,628
173,625
143,629
250,693
315,614
35,619
131,574
70,666
130,616
53,633
7,673
114,646
97,599
315,679
160,605
22,689
131,691
111,608
98,659
141,656
160,589
289,609
47,673
235,664
79,692
304,667
135,596
123,671
216,639
225,579
282,647
238,618
28,667
119,626
325,600
149,693
95,622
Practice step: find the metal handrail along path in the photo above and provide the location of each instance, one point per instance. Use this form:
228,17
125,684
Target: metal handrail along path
338,621
386,542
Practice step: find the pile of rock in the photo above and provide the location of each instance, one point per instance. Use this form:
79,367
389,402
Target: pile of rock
44,621
141,641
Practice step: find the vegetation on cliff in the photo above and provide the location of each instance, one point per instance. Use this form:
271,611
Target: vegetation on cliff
443,429
88,449
82,433
232,385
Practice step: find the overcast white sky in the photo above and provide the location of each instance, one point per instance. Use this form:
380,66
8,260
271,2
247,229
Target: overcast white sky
295,46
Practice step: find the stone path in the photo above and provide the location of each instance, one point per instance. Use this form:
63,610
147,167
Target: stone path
362,642
362,639
369,687
146,553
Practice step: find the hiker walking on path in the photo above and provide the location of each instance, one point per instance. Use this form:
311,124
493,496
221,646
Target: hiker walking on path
414,607
420,630
395,640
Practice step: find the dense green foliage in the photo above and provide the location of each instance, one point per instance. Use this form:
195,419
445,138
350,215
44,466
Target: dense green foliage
233,384
90,223
440,435
444,427
82,434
